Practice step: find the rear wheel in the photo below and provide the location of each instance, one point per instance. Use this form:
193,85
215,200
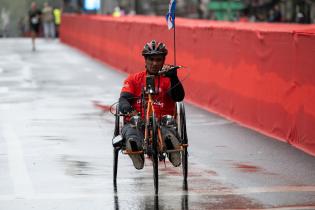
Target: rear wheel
181,126
155,154
117,123
115,164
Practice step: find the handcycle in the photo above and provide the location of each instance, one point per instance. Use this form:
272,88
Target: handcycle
153,143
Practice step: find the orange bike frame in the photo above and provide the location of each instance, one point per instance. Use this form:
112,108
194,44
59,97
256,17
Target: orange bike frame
149,111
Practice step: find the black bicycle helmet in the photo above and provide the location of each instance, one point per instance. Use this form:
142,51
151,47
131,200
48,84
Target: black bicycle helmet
154,48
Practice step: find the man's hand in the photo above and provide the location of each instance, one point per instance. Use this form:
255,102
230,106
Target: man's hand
170,70
125,101
125,108
129,111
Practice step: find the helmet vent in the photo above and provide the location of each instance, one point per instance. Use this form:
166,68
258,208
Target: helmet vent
154,48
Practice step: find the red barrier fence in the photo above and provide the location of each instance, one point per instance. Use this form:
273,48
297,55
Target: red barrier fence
260,75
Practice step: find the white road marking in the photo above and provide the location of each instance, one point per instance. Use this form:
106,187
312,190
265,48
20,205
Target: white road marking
4,89
21,180
11,79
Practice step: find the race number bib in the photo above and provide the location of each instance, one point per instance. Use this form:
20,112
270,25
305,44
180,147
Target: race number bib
35,20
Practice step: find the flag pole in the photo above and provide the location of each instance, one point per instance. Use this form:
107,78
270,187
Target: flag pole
170,18
174,36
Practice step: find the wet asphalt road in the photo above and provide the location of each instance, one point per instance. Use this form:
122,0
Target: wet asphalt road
56,153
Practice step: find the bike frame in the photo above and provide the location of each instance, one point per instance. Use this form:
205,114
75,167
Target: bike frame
149,113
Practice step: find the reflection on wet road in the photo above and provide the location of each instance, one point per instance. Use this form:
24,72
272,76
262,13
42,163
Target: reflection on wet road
56,152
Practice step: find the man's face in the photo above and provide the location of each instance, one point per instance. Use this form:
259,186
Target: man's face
154,63
33,5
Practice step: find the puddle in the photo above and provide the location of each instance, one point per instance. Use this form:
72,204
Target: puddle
53,138
247,168
76,167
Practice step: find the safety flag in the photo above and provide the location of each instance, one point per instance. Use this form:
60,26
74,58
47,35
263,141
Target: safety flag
170,16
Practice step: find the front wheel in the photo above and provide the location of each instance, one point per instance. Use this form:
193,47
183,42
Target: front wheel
155,154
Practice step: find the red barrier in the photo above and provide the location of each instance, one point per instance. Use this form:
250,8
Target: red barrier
260,75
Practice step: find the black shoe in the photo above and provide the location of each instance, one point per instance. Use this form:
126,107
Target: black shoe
137,159
172,143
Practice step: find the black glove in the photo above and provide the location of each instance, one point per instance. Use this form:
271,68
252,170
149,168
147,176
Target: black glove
171,71
125,108
125,101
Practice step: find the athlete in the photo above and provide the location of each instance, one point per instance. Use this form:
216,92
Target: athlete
169,90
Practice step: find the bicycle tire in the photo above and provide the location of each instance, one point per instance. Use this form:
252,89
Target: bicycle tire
115,149
184,138
115,164
117,123
155,159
